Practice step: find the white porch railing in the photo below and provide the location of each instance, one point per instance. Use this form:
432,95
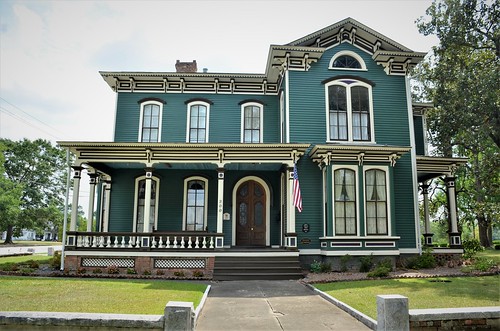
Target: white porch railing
138,240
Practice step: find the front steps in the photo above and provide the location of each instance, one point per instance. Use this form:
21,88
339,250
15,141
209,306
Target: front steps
249,266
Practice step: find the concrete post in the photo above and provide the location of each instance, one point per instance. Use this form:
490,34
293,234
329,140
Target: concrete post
392,313
179,316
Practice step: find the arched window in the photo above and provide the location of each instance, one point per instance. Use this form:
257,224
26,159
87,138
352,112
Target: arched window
195,204
251,122
197,126
150,121
376,202
349,111
345,201
140,200
347,60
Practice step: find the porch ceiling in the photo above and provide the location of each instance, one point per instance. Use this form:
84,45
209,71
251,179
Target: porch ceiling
429,167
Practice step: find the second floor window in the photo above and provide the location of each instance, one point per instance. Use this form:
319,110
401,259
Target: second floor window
251,123
349,111
197,131
150,125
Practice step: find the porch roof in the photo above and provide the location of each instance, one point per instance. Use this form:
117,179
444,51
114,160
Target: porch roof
429,167
103,155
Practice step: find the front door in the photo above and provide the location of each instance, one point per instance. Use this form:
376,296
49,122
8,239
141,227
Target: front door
251,214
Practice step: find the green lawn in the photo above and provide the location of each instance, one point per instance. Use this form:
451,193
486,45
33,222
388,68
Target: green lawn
95,295
490,253
452,292
40,258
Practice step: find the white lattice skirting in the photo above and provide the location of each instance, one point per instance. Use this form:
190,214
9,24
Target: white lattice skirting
107,262
180,263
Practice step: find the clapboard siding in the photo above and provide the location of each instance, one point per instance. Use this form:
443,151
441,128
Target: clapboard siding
418,124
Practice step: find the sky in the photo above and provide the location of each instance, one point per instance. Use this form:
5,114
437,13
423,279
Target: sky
51,52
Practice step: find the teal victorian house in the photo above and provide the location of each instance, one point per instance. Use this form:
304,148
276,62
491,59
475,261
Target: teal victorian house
202,174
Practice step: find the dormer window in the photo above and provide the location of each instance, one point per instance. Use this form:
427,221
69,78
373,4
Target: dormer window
150,122
347,60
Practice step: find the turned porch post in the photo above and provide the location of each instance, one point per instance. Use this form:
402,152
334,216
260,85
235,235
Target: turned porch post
147,199
290,236
452,205
427,225
77,175
90,220
220,199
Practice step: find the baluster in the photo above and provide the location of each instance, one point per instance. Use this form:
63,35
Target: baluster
160,243
116,242
101,241
138,242
182,242
153,242
204,244
196,243
108,245
94,241
167,244
79,241
175,242
131,241
123,242
190,243
211,242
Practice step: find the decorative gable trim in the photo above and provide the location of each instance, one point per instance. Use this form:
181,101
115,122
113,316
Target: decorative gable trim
210,102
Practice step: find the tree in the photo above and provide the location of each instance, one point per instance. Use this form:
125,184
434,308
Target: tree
461,78
37,169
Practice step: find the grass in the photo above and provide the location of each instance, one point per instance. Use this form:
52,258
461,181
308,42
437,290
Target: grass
452,292
95,295
490,253
40,258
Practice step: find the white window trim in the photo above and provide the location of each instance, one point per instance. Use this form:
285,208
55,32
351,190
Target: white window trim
348,53
136,193
355,169
261,115
387,192
349,111
141,116
188,127
184,203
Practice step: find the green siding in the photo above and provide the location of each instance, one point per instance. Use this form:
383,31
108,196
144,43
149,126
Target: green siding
418,125
224,121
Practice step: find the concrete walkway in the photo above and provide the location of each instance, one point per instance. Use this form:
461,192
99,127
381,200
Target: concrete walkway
18,250
271,305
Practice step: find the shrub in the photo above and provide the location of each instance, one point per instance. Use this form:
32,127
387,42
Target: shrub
424,261
198,274
179,273
471,248
160,272
344,260
483,264
113,270
33,264
315,266
146,272
55,262
97,271
386,263
81,270
366,263
380,271
131,271
325,267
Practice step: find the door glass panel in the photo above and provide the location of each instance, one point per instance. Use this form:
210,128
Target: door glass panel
258,191
258,214
244,190
243,214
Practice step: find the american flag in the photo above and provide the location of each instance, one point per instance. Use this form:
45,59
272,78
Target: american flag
297,197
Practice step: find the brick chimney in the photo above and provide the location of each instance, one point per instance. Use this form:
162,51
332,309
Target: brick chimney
186,66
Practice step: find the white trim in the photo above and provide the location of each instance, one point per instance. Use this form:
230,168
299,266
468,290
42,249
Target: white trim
310,251
357,188
141,115
261,120
176,253
448,250
188,119
287,108
184,199
351,54
325,195
361,238
282,116
409,251
137,180
349,112
361,253
413,165
268,207
385,169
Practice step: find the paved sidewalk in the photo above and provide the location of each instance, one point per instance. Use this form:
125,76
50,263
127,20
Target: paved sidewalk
17,250
271,305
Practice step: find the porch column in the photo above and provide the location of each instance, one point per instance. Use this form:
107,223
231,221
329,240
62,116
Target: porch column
427,225
147,207
290,236
77,175
90,220
220,199
105,205
454,235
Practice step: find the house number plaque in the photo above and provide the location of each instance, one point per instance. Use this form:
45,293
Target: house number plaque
305,227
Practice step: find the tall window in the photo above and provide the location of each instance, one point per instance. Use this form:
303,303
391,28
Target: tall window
197,131
140,202
376,202
345,201
349,111
150,125
195,202
251,123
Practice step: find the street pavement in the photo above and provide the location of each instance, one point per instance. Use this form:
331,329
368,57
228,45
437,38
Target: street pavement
271,305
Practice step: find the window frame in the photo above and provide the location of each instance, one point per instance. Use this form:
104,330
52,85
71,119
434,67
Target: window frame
351,54
348,87
136,201
188,120
261,121
185,205
357,193
141,118
385,169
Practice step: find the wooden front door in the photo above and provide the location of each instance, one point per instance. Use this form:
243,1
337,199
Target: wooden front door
251,214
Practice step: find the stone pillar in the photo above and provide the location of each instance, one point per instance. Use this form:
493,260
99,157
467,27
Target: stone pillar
179,316
220,199
454,235
77,175
290,236
427,224
392,313
90,220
